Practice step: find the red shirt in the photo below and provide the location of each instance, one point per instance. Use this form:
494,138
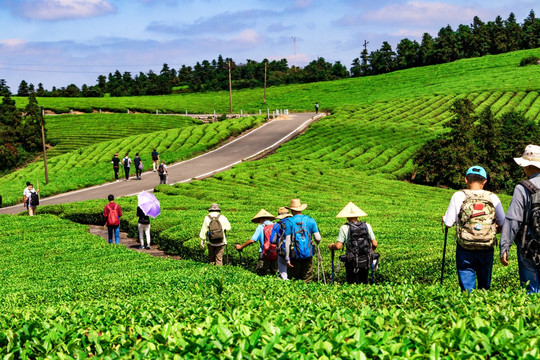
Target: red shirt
109,207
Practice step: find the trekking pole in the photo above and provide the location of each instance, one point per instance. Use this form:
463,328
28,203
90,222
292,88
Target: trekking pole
333,276
321,263
444,252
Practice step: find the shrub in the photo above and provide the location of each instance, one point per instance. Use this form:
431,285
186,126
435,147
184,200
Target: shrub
529,60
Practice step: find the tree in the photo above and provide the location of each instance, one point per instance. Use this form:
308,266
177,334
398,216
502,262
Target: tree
498,35
407,54
426,52
356,69
514,33
446,45
531,31
481,38
23,89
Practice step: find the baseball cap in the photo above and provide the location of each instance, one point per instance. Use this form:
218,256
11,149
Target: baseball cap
477,170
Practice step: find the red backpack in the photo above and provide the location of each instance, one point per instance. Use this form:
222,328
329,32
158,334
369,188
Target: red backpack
269,248
113,219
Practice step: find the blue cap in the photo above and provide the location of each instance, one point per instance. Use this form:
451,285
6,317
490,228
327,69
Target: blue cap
477,170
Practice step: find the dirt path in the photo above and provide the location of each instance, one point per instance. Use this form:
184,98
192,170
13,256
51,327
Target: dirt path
265,138
130,243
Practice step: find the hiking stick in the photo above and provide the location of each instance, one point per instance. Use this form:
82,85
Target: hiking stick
444,252
321,263
333,276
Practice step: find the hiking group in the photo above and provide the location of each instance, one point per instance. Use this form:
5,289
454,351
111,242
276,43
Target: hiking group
126,162
479,217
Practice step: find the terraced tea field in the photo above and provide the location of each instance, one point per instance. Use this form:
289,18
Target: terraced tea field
70,132
91,165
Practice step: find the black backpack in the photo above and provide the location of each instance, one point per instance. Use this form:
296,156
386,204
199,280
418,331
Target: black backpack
359,251
34,199
530,241
161,169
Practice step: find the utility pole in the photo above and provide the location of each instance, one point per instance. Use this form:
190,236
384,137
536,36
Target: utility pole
230,88
294,58
365,44
264,97
42,121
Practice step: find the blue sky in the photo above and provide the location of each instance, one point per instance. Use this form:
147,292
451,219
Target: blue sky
58,42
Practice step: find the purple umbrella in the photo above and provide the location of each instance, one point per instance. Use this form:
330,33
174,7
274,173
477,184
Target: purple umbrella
149,204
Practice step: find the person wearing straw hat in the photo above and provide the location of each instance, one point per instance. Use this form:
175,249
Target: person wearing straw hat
518,224
300,232
479,216
267,263
360,243
214,234
283,215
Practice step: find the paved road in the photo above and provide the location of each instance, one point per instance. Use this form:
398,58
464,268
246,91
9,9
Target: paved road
268,136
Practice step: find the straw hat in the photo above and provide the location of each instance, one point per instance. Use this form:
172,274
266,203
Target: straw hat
531,156
296,205
263,214
214,207
351,211
283,213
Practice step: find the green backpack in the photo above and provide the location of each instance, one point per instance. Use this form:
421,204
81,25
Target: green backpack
477,228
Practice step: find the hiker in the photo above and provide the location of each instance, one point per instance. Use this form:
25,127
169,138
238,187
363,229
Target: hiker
213,232
283,215
316,108
521,222
267,262
126,162
360,243
138,166
479,216
144,228
155,159
116,165
112,213
163,172
300,231
30,198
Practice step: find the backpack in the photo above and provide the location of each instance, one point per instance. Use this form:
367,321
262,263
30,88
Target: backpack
359,249
215,230
34,199
477,228
126,162
154,156
279,236
113,219
161,169
530,243
301,244
269,244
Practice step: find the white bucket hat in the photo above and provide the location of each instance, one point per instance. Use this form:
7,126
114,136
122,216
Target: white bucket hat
351,211
531,156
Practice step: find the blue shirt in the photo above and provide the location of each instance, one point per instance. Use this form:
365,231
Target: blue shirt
258,235
311,225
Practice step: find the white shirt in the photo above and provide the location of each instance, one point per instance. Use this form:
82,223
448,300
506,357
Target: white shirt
225,225
451,216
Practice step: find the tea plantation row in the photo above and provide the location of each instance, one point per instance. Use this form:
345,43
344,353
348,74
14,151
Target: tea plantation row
68,294
70,132
91,165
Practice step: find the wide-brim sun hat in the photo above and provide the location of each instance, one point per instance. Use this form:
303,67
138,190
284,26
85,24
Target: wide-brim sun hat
214,207
531,156
263,214
350,211
296,205
283,213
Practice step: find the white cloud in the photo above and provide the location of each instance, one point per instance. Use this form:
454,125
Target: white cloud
422,13
248,36
63,9
13,42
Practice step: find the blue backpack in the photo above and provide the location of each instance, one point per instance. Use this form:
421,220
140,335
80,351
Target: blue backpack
301,244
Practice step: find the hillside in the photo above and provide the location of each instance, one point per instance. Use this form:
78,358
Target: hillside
489,73
92,299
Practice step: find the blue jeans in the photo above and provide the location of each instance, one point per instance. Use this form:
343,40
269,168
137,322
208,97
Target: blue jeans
527,272
116,230
473,264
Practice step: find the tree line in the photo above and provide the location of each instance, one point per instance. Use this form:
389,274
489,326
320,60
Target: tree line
20,130
467,41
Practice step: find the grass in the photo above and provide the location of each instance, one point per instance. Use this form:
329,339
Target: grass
70,132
